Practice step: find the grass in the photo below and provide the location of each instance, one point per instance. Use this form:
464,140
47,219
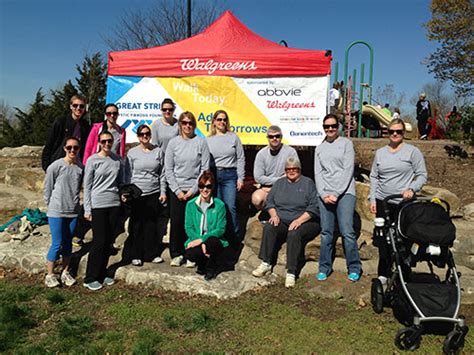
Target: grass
122,319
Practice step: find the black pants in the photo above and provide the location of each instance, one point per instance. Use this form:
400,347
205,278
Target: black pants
296,240
177,232
104,225
385,251
145,238
423,127
215,250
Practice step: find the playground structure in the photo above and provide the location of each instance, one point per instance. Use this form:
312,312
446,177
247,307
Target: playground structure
359,119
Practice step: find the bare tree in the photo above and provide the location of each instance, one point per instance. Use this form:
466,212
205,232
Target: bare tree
164,22
387,94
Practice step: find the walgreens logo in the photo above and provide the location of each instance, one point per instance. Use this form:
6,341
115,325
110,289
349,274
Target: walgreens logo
211,65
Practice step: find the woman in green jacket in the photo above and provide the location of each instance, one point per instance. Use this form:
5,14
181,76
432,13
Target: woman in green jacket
205,224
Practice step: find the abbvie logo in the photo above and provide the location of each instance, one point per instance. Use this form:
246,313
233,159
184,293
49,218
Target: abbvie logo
279,92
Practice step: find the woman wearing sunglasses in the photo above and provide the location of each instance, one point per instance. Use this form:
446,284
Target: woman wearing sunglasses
62,186
103,175
145,166
205,226
334,175
109,125
293,208
186,158
166,128
398,168
228,159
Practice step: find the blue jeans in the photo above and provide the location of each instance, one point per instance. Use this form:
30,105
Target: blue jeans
226,181
344,210
62,230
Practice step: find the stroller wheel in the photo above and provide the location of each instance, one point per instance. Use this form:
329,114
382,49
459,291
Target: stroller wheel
408,339
454,341
376,296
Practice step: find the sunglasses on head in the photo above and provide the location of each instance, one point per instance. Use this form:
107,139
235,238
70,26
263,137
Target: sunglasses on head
82,106
112,113
72,147
274,136
327,126
187,123
397,131
167,109
144,134
221,119
207,186
105,141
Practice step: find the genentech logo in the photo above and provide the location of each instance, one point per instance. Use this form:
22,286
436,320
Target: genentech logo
211,66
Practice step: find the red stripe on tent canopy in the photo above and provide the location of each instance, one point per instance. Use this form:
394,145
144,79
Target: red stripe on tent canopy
225,48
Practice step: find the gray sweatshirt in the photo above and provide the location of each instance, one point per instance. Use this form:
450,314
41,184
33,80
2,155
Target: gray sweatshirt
62,185
162,133
146,170
227,152
395,172
185,160
292,199
102,178
334,168
269,168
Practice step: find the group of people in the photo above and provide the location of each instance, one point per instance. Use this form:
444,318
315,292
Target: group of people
195,182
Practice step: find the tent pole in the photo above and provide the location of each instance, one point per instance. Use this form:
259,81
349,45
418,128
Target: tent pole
189,18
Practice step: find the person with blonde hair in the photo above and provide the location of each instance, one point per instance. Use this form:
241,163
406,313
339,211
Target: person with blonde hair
228,160
186,158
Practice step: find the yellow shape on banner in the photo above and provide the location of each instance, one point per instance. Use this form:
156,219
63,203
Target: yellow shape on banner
203,95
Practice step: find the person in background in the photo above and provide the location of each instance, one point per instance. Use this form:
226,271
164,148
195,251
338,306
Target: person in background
104,173
398,168
334,97
293,207
227,157
166,128
74,125
186,158
145,168
205,225
62,186
423,113
269,165
396,114
334,175
386,109
110,125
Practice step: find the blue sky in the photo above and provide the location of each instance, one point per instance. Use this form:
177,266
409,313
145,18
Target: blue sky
42,41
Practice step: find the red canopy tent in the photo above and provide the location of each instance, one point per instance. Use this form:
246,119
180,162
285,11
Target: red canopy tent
226,48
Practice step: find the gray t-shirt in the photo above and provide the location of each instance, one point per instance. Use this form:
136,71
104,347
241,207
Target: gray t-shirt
146,170
162,133
204,206
269,168
117,141
62,185
227,152
334,168
292,199
185,161
395,172
102,178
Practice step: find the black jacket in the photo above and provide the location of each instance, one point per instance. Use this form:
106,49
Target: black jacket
61,129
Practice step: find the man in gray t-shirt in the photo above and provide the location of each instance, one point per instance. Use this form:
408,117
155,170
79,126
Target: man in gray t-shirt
269,165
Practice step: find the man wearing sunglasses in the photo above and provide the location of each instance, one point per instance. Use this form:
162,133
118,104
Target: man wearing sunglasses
74,125
269,165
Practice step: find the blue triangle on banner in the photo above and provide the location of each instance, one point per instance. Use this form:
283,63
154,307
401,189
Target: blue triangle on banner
117,86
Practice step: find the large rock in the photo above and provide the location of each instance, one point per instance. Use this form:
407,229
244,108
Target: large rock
443,194
362,203
25,151
28,178
19,157
468,212
463,247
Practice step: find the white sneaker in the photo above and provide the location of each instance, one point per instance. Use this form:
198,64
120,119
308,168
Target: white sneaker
383,280
290,281
51,281
67,279
190,264
263,269
157,260
177,261
137,262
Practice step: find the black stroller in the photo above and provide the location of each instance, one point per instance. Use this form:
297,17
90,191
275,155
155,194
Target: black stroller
421,231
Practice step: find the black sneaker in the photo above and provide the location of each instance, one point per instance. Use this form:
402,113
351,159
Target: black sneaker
210,275
201,271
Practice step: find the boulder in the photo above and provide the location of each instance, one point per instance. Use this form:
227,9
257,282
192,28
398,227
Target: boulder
443,194
362,203
28,178
468,212
463,247
25,151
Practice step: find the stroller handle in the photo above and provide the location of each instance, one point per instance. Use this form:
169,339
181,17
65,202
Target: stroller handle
386,210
